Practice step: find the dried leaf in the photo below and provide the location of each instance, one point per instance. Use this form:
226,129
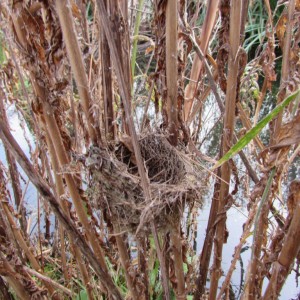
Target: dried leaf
289,134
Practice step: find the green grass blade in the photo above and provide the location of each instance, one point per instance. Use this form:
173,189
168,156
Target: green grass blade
251,134
82,295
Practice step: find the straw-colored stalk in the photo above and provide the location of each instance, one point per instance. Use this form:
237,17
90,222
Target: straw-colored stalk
63,161
285,60
107,89
49,280
76,62
176,243
228,130
125,261
12,278
22,243
197,66
125,94
16,230
290,249
55,135
171,69
208,244
69,226
135,33
60,192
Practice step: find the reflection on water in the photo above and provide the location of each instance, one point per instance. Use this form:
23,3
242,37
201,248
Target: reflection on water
236,217
30,197
210,144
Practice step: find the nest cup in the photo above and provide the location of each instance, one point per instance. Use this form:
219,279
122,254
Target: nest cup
115,184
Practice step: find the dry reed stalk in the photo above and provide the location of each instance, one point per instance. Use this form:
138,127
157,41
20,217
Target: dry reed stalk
46,172
135,33
201,100
210,76
143,264
206,31
43,95
60,191
253,284
125,94
171,69
268,77
15,229
15,182
72,186
45,192
285,61
205,256
120,34
76,62
13,279
172,113
245,6
290,249
176,243
107,88
228,131
49,281
58,185
260,101
125,39
125,261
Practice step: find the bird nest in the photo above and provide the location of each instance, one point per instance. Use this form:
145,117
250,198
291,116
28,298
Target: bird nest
115,185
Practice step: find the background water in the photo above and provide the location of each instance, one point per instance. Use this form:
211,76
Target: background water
235,220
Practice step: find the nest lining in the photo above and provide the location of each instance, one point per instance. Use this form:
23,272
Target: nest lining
115,183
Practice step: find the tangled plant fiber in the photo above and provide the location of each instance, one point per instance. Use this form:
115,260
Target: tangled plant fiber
115,183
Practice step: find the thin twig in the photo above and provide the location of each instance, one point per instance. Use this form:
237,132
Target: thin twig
49,280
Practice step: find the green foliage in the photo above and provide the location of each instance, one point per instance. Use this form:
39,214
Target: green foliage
82,295
118,277
52,272
255,27
250,135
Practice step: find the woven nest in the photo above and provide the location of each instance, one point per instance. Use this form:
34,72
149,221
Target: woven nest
115,183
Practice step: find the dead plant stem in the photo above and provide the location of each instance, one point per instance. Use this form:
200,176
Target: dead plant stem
76,61
48,280
285,60
125,93
171,69
60,192
228,130
44,190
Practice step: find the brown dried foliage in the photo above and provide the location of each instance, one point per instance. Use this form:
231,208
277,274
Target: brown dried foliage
116,191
